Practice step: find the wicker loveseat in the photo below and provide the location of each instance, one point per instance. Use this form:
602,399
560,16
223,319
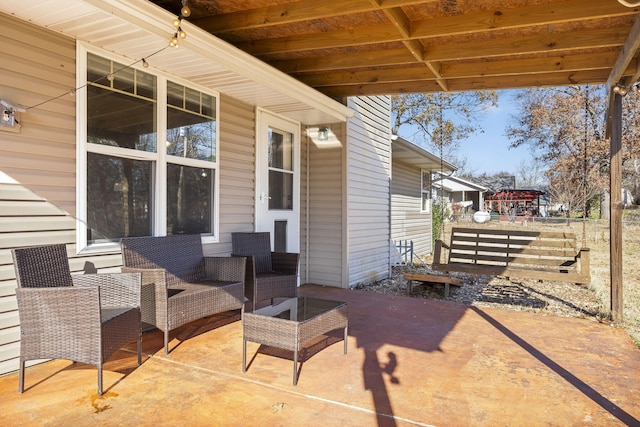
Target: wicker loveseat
179,284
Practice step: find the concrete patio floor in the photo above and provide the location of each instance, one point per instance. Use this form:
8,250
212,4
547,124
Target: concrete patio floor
410,362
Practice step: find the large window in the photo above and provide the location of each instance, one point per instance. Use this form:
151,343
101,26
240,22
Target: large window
425,190
147,154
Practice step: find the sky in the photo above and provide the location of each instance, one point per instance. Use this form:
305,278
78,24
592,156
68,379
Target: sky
489,152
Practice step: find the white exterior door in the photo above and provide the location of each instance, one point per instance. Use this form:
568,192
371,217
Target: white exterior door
278,181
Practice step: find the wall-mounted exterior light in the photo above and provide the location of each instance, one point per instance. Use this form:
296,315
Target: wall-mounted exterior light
8,113
323,134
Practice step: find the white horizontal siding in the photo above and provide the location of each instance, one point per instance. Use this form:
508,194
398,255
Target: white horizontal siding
407,222
369,172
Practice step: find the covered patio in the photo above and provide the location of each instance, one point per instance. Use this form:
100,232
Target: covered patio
410,362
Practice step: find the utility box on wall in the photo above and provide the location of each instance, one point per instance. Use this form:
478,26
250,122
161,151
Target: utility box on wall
9,116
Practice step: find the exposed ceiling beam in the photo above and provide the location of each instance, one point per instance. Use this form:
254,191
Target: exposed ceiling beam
307,10
288,13
627,54
542,42
479,51
505,68
470,84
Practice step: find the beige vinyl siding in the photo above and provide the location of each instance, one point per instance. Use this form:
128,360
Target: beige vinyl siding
368,181
237,172
37,164
325,201
407,222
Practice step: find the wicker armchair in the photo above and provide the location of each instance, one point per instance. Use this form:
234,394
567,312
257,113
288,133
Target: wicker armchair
179,284
85,318
269,274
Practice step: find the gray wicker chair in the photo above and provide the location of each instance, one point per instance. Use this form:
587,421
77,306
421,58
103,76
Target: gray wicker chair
85,318
180,284
269,274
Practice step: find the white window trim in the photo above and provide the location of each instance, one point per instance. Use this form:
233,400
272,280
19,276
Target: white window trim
424,172
159,225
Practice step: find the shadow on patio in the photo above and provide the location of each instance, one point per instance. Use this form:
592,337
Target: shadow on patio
410,362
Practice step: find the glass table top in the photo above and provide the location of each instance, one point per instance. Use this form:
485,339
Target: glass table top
299,309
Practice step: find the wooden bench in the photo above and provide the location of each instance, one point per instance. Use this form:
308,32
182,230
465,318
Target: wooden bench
432,278
541,255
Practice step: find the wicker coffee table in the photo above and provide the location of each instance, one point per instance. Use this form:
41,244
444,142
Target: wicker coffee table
291,324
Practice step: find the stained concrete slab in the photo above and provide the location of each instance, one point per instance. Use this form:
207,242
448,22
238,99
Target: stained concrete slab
410,362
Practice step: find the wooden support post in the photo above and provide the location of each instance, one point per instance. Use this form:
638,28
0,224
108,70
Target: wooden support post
615,242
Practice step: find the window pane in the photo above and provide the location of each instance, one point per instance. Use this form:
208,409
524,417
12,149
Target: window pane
426,181
426,202
189,199
280,150
120,120
119,201
191,136
124,79
280,190
191,123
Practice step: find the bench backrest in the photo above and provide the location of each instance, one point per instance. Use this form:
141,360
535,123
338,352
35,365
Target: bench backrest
181,255
513,247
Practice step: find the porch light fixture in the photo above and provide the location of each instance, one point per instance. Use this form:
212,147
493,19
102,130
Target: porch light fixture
323,134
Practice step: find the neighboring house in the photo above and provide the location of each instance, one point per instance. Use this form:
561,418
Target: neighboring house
462,192
411,190
206,139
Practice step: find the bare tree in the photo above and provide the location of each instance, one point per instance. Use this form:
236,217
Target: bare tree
441,119
531,174
564,128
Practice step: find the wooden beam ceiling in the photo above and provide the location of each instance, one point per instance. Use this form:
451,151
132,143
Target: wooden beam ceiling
353,47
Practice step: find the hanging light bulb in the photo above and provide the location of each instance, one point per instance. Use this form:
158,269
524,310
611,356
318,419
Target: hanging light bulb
176,22
110,77
145,64
174,40
182,34
185,11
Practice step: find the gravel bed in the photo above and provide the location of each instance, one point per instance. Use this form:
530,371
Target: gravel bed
546,297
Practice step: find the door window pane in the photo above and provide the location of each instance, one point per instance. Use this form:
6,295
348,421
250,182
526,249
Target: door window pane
119,201
280,169
280,150
189,199
280,190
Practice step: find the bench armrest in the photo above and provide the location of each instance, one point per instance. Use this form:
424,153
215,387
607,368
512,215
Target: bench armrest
116,289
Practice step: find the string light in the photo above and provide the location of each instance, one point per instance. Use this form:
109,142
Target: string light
109,76
177,24
179,34
185,11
